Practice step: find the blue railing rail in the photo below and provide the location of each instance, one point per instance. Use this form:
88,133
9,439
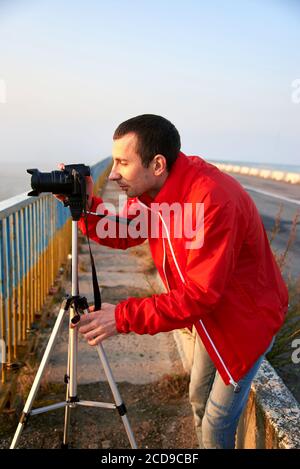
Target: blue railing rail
35,239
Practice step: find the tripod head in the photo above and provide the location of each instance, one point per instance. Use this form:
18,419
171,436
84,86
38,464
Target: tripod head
76,205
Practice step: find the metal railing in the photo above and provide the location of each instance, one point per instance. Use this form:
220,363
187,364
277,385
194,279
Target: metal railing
35,239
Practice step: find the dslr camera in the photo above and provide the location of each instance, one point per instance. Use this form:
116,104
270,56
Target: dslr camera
69,182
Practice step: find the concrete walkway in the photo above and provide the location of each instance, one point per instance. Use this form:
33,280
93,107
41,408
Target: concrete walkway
133,358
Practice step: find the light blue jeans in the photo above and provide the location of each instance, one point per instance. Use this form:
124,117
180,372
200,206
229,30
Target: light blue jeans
216,407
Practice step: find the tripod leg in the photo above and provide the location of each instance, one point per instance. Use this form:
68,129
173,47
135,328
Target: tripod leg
67,409
38,377
71,394
119,403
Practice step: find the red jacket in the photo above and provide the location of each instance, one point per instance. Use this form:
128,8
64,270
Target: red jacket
230,289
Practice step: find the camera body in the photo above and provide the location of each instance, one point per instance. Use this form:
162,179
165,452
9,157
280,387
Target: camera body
69,182
59,182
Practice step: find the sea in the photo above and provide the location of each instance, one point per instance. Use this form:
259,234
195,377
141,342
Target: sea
15,181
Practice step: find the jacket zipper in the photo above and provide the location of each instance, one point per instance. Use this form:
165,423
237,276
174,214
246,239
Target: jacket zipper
231,380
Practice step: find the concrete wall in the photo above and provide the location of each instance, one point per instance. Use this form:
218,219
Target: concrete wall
292,178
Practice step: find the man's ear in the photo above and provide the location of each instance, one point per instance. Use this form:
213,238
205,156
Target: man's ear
159,163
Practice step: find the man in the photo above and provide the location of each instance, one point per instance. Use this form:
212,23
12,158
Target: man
223,281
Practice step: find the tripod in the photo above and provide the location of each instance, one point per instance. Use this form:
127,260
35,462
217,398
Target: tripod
73,305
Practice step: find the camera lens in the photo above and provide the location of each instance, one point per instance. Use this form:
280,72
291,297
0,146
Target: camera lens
57,182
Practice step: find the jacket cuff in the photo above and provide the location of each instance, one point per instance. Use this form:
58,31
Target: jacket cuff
95,202
122,325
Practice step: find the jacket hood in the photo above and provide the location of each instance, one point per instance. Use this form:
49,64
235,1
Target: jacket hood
174,189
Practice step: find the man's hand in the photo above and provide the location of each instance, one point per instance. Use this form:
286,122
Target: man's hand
89,189
98,325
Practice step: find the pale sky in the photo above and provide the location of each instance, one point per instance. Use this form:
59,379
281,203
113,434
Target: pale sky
221,71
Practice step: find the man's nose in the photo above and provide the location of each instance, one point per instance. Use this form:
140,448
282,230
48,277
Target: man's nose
114,175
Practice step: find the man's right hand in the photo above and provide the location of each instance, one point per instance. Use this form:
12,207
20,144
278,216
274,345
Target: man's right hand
89,189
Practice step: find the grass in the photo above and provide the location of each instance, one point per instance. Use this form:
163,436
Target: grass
173,386
281,352
27,376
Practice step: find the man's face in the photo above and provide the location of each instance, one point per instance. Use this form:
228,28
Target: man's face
128,171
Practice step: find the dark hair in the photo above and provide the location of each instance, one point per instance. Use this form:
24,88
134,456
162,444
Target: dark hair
155,135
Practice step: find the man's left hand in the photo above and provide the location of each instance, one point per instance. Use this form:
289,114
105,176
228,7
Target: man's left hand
98,325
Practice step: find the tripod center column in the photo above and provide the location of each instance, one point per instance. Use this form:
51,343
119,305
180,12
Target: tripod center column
73,337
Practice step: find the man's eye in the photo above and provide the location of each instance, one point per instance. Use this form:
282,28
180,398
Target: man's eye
123,163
